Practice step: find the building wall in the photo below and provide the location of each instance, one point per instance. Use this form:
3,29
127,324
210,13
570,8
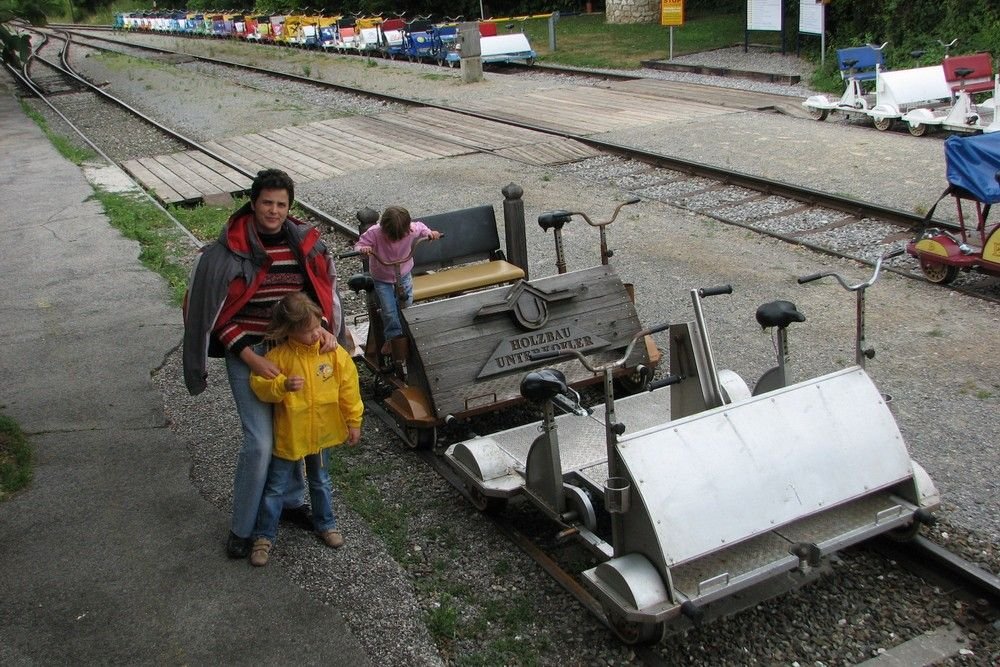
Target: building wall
632,11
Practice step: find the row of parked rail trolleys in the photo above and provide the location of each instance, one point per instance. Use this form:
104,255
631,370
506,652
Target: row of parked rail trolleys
392,38
687,494
940,96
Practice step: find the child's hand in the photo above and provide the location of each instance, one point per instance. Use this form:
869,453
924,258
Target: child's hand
353,435
434,235
364,250
294,383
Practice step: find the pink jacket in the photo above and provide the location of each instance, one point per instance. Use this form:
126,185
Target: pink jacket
391,251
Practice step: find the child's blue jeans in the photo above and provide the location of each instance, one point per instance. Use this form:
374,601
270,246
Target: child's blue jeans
280,475
392,325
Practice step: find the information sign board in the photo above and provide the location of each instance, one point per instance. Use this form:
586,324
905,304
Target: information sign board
764,15
671,12
811,13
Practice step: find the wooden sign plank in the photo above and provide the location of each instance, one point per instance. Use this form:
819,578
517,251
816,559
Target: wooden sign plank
455,347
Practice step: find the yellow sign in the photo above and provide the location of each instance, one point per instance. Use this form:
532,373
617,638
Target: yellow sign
671,12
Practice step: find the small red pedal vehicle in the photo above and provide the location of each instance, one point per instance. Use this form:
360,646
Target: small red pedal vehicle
973,170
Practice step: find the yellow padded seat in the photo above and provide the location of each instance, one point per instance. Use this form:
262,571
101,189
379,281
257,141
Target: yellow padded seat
464,278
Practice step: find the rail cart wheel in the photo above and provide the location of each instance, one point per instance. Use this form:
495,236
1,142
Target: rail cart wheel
635,634
819,114
938,273
420,438
883,124
486,504
634,383
904,533
529,62
918,130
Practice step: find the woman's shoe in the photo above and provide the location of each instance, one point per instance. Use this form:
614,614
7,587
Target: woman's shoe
236,546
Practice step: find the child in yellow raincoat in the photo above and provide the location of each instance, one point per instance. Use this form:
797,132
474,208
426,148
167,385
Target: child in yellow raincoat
317,406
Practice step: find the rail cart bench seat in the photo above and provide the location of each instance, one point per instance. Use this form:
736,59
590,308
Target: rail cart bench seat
468,257
979,80
859,62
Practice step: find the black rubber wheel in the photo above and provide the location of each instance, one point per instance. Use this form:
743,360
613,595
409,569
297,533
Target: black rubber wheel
883,124
420,438
904,533
636,634
819,114
938,273
486,504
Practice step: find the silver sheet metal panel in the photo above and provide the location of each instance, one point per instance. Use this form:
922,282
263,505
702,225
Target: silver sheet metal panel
737,471
581,439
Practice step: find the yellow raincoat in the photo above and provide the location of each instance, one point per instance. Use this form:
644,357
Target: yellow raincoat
318,415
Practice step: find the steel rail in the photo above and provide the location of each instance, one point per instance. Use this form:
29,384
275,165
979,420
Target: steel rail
327,218
811,196
808,196
924,556
553,569
28,83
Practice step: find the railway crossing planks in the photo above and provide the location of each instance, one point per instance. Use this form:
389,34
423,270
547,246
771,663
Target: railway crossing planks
329,148
185,176
593,110
555,151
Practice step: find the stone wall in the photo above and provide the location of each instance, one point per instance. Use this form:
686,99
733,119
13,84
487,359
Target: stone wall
632,11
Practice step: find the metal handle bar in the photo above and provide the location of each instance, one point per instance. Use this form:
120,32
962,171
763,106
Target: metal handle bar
413,247
565,215
843,283
715,291
554,354
879,48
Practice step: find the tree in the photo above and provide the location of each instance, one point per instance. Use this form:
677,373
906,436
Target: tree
15,47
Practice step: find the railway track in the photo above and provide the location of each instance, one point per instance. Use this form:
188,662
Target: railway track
648,173
825,222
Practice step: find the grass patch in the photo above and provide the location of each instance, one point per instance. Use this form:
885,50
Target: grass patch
587,41
204,221
352,478
66,148
163,247
15,458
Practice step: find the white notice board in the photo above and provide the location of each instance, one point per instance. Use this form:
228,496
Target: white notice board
811,14
764,15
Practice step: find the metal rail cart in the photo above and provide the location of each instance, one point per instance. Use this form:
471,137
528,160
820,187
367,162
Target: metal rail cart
729,494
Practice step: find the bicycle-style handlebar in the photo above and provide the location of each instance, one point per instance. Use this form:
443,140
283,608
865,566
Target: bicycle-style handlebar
413,247
554,354
715,291
560,217
852,288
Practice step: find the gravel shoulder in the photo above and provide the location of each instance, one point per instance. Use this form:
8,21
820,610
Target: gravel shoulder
452,565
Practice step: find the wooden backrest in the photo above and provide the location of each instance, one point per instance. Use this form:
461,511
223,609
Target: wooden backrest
868,62
981,78
470,235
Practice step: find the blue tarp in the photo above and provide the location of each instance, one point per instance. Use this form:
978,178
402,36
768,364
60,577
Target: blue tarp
973,163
